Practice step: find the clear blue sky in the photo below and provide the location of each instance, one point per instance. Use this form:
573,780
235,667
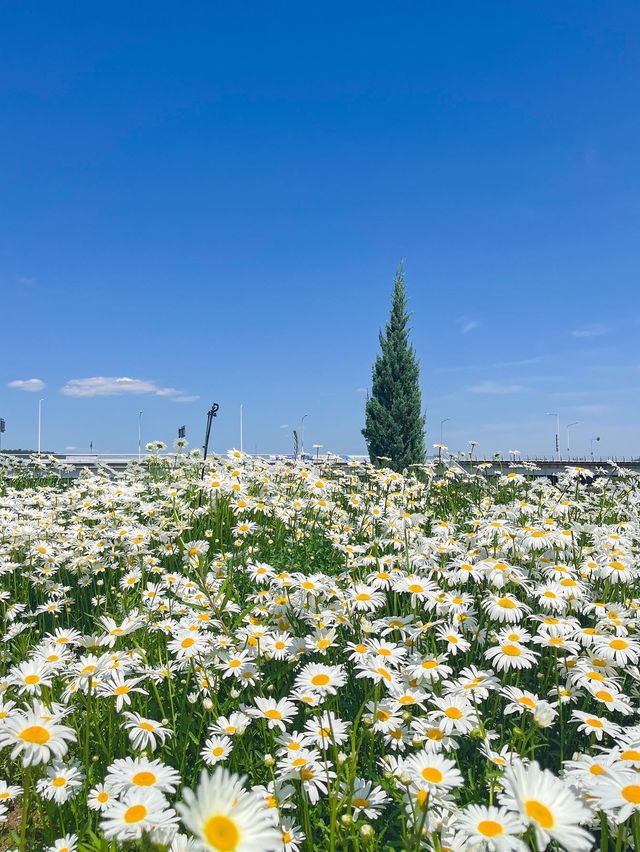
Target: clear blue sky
212,202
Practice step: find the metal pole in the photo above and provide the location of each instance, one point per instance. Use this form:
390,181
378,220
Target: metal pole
241,428
442,422
139,433
557,416
569,425
39,425
302,435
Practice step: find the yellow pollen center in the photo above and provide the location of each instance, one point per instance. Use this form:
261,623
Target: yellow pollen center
432,775
35,734
221,833
453,713
489,828
144,779
273,714
631,793
320,680
539,813
135,813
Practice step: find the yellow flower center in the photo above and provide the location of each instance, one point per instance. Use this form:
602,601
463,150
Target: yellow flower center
630,754
273,714
618,645
539,813
320,680
31,679
453,713
511,650
221,833
35,734
505,603
59,781
135,813
489,828
432,775
144,779
631,793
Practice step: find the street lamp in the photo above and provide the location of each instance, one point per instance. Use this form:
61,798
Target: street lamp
592,440
302,435
557,416
569,425
40,401
317,448
442,422
139,433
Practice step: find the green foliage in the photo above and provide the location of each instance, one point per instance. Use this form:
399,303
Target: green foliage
394,424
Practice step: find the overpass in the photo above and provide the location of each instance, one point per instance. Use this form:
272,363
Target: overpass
535,467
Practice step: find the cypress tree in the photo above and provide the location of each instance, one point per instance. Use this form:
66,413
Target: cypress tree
394,424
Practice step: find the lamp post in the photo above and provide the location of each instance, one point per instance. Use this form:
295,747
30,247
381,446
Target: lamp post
442,422
302,435
557,416
241,425
40,401
569,425
592,440
139,433
317,448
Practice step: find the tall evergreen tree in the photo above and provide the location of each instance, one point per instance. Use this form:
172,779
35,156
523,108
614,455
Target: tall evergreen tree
394,424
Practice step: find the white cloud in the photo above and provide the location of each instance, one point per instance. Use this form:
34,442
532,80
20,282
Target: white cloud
119,386
30,385
284,426
523,363
361,390
594,329
495,388
467,324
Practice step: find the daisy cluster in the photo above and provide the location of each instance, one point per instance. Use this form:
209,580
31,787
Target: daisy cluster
238,655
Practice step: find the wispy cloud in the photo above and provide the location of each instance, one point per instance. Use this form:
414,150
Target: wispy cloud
522,363
467,324
121,386
30,385
497,365
500,388
284,425
593,329
361,390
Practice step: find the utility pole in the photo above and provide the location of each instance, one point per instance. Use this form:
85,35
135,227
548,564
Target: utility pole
139,433
241,424
302,435
40,401
569,425
557,416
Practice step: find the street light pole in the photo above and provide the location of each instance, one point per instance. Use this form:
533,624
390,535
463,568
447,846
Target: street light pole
592,440
569,425
40,401
442,422
139,433
302,435
557,416
241,436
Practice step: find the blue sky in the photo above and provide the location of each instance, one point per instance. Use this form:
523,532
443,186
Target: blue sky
212,202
